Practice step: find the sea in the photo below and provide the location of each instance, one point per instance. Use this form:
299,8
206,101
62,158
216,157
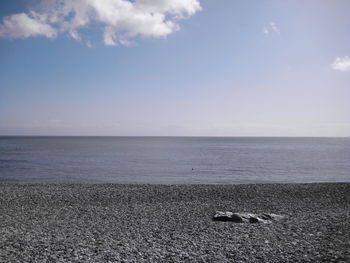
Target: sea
174,160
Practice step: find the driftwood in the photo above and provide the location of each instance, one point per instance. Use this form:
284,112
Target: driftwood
245,217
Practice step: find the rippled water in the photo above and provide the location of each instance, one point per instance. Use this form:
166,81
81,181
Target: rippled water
185,160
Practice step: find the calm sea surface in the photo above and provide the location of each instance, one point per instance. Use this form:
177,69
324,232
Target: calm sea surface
180,160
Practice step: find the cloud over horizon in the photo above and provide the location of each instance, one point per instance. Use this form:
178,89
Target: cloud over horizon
341,64
121,20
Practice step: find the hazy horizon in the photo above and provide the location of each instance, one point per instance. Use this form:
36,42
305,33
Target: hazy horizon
171,136
175,68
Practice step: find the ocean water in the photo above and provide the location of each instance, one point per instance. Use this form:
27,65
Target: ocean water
174,160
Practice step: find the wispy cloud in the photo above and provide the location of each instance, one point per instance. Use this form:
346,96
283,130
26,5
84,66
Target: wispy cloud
275,28
341,64
121,20
271,28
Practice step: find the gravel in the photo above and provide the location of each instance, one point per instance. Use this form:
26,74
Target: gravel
172,223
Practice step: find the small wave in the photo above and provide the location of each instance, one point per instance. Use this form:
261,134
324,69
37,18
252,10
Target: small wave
13,161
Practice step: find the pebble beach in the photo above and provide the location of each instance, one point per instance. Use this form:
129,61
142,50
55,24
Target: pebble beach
172,223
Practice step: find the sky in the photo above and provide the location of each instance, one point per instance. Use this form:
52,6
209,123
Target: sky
175,67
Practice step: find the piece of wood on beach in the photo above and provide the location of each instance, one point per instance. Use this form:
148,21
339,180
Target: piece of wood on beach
246,217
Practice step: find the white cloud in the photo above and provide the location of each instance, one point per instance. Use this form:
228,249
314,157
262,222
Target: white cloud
121,20
265,31
23,25
341,64
271,28
275,28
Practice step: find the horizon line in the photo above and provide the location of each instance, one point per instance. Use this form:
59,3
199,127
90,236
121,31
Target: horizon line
178,136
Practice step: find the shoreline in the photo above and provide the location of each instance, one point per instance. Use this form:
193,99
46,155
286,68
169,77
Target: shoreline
4,183
172,223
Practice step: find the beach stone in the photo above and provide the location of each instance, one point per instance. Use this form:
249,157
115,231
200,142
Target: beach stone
253,220
245,217
228,216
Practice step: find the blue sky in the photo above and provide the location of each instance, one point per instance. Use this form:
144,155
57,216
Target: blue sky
218,68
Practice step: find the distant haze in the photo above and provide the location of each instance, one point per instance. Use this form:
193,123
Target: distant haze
175,68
